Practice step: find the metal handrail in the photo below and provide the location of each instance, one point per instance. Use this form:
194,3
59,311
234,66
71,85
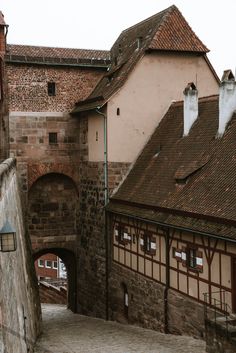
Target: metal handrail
219,308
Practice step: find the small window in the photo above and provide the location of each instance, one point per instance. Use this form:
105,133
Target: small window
192,258
48,264
148,243
52,137
51,88
139,42
96,135
122,235
55,265
40,263
118,111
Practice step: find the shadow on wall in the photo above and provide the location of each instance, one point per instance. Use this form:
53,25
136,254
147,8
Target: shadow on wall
19,298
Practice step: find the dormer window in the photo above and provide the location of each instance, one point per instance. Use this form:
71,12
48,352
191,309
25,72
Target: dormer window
51,88
139,42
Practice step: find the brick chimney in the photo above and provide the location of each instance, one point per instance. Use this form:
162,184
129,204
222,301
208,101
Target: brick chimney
227,100
190,106
3,35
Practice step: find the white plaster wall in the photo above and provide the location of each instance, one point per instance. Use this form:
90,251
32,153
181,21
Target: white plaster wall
96,129
146,96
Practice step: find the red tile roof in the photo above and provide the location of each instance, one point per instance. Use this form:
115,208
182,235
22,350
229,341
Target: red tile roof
50,55
192,176
167,30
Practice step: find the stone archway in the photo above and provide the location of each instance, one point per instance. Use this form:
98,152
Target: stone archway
69,259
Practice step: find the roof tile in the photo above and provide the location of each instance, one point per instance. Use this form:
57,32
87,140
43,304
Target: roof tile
166,30
205,163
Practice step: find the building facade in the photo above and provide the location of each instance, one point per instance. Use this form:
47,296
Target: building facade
172,221
78,120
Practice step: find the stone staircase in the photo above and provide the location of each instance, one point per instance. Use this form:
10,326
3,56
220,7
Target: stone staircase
51,294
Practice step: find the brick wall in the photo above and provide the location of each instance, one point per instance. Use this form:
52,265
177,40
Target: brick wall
44,271
28,87
4,153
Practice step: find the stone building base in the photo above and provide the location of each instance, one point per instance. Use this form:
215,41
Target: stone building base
146,305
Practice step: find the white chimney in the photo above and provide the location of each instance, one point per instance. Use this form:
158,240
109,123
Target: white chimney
227,100
190,106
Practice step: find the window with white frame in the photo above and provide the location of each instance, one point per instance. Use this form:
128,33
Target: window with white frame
40,263
122,234
55,266
148,243
190,257
48,264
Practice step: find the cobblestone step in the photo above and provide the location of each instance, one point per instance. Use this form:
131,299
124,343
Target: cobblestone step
65,332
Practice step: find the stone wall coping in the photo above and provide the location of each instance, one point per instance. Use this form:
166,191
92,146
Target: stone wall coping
13,114
6,167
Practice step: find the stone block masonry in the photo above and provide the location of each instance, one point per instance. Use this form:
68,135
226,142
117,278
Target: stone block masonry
19,299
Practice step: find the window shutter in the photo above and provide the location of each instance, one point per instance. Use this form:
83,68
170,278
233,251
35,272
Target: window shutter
177,254
153,246
184,256
126,236
141,242
199,261
116,233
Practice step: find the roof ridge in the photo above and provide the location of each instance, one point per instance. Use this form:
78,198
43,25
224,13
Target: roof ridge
212,97
167,10
48,47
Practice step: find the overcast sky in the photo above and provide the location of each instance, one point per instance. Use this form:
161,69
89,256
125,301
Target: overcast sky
96,24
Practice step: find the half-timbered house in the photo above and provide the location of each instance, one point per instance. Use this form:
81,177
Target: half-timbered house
173,220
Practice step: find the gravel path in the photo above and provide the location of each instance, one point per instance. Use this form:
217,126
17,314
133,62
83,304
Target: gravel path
65,332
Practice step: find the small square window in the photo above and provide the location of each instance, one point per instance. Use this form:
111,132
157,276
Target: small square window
51,88
52,137
148,243
122,235
55,264
48,264
40,263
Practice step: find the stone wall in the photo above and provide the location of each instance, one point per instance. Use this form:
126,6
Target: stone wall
185,315
19,297
219,339
145,299
91,247
146,304
52,206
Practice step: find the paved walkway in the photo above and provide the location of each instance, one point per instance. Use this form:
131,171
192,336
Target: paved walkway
65,332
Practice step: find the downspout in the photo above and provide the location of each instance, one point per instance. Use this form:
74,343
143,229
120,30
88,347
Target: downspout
166,323
105,155
106,196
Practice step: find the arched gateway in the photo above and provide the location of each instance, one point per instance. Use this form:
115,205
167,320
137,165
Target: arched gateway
52,223
69,259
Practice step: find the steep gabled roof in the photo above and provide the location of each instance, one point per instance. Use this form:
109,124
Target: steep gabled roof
192,176
167,30
56,56
2,21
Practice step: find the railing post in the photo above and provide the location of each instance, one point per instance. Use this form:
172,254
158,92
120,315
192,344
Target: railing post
215,311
